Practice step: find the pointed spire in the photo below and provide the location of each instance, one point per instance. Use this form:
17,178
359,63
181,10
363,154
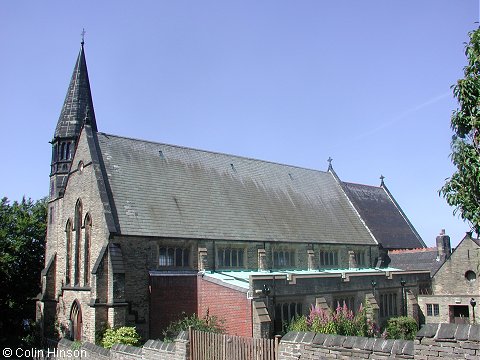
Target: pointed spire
78,101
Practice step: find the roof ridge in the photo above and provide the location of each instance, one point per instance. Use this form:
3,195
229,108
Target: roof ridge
211,152
352,183
399,251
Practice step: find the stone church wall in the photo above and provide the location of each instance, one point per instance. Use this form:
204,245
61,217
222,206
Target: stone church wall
82,184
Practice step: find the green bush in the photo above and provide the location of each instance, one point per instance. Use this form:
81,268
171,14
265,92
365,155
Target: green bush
299,323
126,335
207,323
402,327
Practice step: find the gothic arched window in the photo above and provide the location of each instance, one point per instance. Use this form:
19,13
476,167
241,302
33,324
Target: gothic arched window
68,251
62,151
78,239
86,257
67,152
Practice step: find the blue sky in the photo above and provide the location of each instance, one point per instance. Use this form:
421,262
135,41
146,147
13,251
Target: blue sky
365,82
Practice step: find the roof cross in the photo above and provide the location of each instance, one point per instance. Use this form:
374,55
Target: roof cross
83,36
330,163
381,180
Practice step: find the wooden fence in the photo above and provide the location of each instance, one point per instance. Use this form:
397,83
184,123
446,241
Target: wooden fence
210,346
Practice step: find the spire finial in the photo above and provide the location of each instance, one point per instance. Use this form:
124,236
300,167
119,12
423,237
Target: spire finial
381,180
83,36
330,167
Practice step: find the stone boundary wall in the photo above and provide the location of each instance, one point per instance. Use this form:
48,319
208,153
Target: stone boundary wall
433,341
307,345
454,341
152,349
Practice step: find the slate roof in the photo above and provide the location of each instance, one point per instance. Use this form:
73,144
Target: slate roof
383,216
416,259
172,191
78,102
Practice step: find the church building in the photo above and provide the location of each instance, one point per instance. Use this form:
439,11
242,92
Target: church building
140,232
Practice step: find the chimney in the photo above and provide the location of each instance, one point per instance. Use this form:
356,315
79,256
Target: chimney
444,248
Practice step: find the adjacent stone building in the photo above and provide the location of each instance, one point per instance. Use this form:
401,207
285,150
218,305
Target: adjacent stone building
140,231
455,289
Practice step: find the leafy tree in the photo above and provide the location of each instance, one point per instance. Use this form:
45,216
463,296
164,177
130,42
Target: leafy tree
462,189
22,246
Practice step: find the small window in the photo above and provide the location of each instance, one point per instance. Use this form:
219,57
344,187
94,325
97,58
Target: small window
348,301
433,310
173,257
51,218
67,151
360,258
328,258
287,311
283,258
80,166
230,257
388,305
470,276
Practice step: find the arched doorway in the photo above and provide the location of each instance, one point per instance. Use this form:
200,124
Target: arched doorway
76,321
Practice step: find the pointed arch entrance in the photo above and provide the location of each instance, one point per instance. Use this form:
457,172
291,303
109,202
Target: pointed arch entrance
76,321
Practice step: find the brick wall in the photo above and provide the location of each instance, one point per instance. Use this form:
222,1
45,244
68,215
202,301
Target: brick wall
170,296
225,303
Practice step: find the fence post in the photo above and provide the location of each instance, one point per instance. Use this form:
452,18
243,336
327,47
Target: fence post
277,344
190,339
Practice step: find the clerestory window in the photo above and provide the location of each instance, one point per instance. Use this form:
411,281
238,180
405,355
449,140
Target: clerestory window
230,257
173,257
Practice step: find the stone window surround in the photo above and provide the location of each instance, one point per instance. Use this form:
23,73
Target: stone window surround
328,258
172,255
286,256
230,250
388,302
433,309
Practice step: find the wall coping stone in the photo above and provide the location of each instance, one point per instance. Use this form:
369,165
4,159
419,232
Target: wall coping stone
95,348
354,344
474,333
65,342
398,346
360,343
319,339
409,348
427,330
462,333
183,335
349,342
127,349
447,331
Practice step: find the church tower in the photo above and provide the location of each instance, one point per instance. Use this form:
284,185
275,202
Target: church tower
77,109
